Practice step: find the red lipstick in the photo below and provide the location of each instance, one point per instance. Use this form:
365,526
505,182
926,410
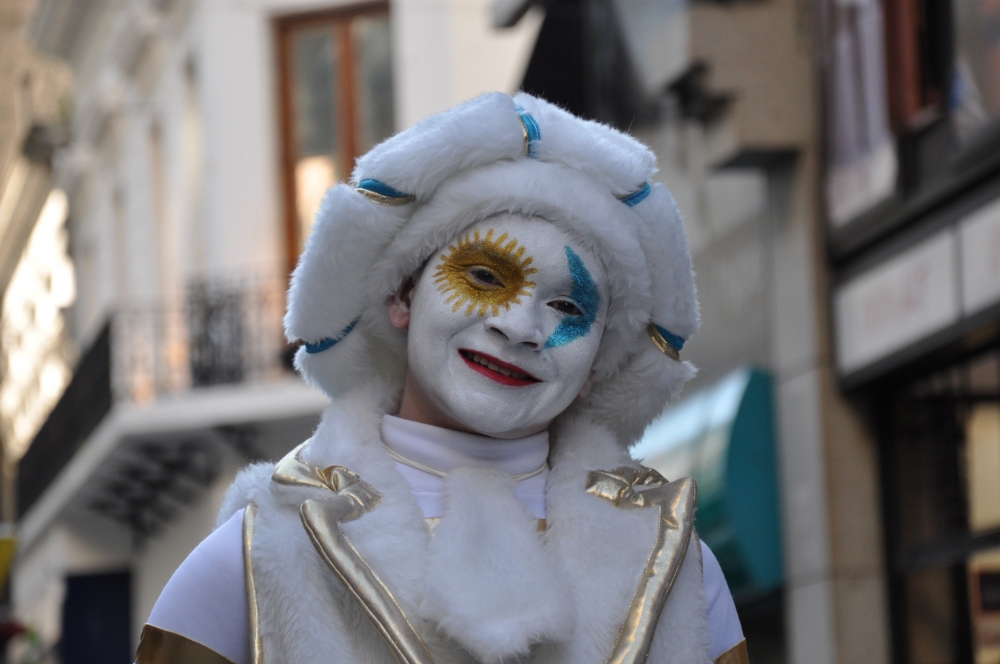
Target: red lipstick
505,373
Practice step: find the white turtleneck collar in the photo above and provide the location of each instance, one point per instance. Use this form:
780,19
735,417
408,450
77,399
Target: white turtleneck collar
444,450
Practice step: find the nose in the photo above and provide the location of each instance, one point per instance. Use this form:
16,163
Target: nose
518,326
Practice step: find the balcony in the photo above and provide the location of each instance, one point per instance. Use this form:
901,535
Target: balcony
165,399
221,333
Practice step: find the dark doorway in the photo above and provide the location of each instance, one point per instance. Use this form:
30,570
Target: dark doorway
96,619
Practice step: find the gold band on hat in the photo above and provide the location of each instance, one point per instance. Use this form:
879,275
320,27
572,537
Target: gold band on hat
661,342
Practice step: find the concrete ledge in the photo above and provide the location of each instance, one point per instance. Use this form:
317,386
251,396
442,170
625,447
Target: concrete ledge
194,410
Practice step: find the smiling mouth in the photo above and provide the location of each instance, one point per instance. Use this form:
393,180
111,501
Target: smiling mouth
496,370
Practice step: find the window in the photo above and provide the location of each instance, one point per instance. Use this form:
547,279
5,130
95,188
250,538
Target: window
941,94
941,461
976,88
861,154
919,44
33,328
335,76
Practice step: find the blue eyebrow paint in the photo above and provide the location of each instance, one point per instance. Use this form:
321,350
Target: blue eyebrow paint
586,295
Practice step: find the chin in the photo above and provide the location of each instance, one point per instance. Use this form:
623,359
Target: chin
498,423
489,415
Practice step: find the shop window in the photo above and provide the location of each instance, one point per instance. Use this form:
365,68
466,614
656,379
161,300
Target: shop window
934,618
336,102
983,463
984,599
941,463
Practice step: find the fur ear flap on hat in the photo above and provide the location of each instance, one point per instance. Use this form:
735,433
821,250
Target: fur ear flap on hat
415,192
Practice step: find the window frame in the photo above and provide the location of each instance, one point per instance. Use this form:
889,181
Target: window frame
338,21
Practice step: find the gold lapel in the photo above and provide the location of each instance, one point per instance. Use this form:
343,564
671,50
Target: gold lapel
630,488
350,498
256,643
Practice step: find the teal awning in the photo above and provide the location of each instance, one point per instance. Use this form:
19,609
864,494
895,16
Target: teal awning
724,437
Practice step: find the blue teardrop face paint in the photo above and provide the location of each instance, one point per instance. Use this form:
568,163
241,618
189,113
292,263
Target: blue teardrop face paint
587,297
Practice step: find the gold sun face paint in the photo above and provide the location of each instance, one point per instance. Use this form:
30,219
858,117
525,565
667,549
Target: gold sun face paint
484,274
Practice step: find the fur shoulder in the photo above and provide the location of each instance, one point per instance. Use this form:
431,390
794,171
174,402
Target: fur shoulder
250,484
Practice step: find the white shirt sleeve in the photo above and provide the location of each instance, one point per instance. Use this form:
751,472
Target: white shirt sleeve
206,598
724,630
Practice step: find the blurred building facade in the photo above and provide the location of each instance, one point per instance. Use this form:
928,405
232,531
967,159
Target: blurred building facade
201,137
913,208
202,134
35,361
36,280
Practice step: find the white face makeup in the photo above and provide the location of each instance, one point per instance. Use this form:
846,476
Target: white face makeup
505,323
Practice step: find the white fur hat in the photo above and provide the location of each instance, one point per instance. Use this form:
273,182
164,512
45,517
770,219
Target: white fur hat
415,192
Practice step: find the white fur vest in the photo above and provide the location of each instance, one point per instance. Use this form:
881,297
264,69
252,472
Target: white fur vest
364,581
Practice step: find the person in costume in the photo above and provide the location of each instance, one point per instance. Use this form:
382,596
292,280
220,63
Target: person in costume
495,306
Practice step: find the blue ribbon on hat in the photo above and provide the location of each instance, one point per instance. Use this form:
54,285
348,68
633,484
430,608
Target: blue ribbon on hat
532,132
380,192
330,342
637,196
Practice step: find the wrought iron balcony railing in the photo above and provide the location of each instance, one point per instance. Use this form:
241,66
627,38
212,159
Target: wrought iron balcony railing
221,332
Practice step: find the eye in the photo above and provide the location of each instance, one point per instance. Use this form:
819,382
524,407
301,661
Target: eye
567,307
484,276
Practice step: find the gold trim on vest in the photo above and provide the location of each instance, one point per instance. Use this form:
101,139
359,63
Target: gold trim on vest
352,498
322,519
629,488
158,646
735,655
256,642
293,471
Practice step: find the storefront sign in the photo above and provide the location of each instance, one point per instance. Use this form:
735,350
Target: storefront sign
897,303
979,235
